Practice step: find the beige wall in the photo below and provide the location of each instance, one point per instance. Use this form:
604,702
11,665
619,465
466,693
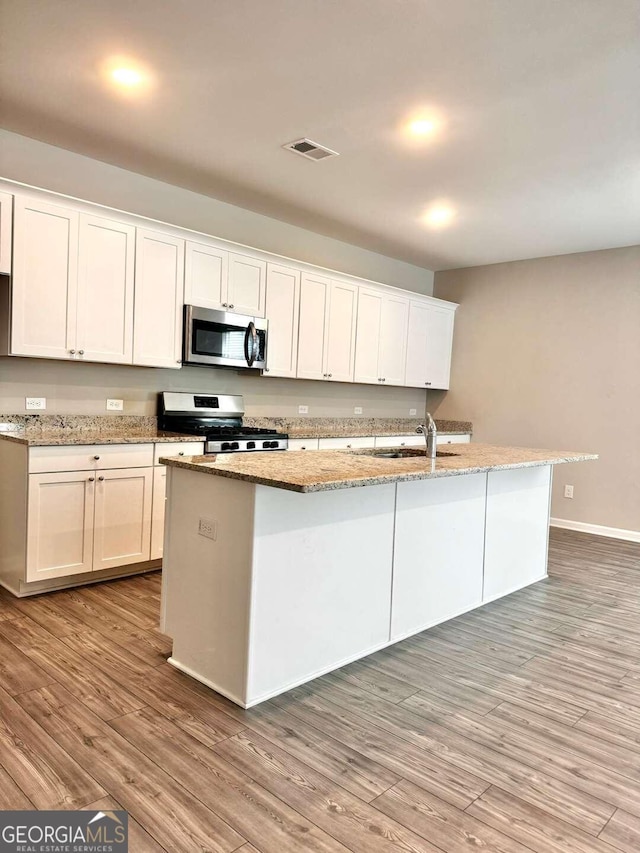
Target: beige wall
32,162
547,354
73,388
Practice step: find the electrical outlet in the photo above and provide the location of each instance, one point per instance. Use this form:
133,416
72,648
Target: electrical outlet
208,528
357,410
568,491
115,405
38,403
303,410
413,412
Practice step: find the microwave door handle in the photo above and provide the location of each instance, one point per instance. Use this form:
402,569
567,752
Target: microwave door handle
253,335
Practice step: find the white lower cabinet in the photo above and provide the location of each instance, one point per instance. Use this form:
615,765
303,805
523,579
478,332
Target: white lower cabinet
122,517
463,438
60,524
400,441
84,521
303,444
346,442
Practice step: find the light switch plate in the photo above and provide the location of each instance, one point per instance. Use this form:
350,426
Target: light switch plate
35,403
413,411
303,410
115,405
357,410
208,528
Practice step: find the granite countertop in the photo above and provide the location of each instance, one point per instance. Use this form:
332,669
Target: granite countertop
325,470
52,430
52,438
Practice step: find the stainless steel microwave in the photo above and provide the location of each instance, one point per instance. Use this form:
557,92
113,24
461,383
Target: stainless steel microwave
222,339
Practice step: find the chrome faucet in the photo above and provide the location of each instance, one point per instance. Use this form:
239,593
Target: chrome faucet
430,432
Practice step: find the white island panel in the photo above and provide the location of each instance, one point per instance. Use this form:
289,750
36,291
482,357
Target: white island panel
517,529
438,556
321,592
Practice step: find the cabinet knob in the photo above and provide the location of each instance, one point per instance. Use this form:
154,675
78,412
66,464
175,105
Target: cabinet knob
224,305
303,448
402,443
96,458
329,375
427,383
181,453
80,352
232,306
349,445
101,479
266,370
91,479
72,352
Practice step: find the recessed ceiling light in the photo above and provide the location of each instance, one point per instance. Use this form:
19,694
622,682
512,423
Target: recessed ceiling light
439,216
422,125
126,75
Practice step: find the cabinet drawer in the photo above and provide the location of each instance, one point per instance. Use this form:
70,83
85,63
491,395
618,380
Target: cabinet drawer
303,444
87,457
399,441
346,442
178,448
454,439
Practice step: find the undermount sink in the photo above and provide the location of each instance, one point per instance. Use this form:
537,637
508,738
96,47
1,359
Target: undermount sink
400,453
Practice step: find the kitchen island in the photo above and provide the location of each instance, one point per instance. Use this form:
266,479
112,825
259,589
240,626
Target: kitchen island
280,567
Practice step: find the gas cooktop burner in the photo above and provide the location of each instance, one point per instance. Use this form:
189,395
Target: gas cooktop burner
217,418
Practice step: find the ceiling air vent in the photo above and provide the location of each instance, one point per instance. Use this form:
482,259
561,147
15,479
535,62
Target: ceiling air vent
309,149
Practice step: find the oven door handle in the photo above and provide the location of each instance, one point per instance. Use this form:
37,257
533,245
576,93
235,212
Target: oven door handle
250,334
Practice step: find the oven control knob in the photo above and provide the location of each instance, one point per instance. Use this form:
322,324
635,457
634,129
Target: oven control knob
266,444
234,446
251,445
225,446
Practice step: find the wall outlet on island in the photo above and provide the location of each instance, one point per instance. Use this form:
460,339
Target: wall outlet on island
115,405
303,410
357,410
413,412
568,491
35,403
208,528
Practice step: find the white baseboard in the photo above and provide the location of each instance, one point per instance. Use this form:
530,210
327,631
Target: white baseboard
597,529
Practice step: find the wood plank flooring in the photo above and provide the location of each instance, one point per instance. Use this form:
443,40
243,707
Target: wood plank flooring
514,728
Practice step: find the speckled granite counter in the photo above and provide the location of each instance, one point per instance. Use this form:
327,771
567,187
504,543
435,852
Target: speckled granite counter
324,470
52,438
354,427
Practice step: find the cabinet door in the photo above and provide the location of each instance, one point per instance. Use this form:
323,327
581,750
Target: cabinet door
205,276
368,337
157,517
105,290
340,332
45,280
157,319
282,311
122,528
439,343
416,357
60,524
314,299
393,340
246,289
6,223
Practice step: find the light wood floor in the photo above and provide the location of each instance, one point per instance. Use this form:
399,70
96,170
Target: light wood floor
511,729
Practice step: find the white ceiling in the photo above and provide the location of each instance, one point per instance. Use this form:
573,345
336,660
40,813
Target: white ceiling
539,152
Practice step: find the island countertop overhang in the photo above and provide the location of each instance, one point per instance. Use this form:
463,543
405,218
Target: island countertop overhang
326,470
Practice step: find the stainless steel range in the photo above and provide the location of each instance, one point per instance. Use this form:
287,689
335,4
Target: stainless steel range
218,418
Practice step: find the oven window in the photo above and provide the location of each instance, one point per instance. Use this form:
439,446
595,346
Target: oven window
218,339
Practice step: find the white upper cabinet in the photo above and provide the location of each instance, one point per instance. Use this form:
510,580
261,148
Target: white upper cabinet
381,338
6,222
246,285
340,330
205,275
282,312
225,281
326,338
105,290
314,301
45,280
159,287
429,345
